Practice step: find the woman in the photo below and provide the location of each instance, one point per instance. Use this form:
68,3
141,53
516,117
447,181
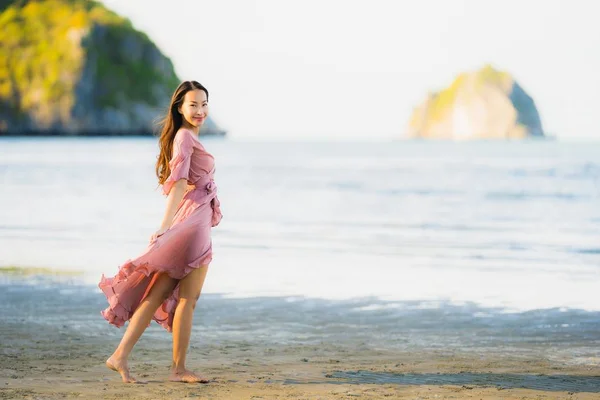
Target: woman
164,283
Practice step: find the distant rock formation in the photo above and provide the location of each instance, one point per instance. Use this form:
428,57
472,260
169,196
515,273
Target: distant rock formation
72,67
486,104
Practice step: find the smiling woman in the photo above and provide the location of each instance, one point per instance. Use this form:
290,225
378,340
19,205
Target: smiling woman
193,101
165,282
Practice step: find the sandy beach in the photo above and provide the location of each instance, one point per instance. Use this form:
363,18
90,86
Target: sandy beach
54,344
59,365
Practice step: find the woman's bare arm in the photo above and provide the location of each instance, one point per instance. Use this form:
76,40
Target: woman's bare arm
173,200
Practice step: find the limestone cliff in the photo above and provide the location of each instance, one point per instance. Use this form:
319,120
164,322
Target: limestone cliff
73,67
486,104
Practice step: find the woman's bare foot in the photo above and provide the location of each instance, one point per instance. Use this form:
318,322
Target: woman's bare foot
186,376
121,367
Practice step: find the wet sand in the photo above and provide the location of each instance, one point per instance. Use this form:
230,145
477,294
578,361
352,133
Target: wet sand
57,364
53,345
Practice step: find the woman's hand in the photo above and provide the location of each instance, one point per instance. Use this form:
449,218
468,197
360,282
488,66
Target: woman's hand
158,233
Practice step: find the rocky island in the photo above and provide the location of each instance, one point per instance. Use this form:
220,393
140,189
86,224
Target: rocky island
73,67
485,104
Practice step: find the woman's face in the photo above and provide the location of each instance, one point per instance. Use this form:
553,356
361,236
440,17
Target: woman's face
194,108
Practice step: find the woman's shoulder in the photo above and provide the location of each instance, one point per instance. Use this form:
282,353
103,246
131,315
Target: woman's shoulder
184,133
186,136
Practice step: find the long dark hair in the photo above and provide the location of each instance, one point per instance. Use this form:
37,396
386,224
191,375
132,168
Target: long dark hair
169,127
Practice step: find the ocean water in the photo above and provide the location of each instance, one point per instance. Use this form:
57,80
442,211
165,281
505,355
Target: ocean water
412,234
509,225
494,246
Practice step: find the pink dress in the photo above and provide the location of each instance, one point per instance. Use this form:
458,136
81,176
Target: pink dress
185,246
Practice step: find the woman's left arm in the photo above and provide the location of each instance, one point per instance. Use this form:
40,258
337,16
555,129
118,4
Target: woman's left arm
173,199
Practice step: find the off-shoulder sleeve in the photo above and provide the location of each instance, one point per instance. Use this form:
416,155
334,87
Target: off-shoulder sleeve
183,147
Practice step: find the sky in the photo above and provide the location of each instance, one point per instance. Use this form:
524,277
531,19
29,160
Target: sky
346,69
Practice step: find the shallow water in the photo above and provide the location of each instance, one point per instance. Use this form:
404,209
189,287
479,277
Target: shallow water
562,337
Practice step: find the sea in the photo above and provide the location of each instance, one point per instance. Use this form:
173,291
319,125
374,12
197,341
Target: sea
407,243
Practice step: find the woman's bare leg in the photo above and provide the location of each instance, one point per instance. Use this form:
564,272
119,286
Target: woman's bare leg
162,288
189,292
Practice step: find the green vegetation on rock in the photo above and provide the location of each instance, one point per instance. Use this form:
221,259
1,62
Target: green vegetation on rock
488,75
443,101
